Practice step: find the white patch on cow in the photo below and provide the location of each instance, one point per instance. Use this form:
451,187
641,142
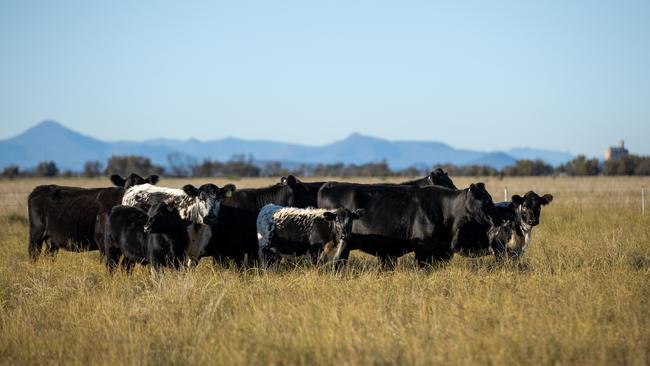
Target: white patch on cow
326,255
190,208
339,250
265,224
303,218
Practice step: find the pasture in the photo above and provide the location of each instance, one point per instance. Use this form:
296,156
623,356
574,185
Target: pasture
580,295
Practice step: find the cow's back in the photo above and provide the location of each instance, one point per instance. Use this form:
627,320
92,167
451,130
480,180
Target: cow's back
353,196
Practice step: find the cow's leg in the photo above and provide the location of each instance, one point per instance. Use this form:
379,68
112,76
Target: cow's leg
37,237
128,265
343,258
429,257
252,258
267,257
222,260
51,248
387,261
99,233
112,259
315,253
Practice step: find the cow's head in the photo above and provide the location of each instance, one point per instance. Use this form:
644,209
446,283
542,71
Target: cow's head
341,221
506,237
132,180
299,195
439,177
199,235
479,204
162,216
529,208
207,199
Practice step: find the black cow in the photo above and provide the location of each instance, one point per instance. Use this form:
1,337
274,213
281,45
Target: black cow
159,237
430,221
512,233
66,217
235,235
290,232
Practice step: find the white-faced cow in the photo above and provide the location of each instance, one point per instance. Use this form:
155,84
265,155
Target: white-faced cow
200,205
316,234
159,237
513,230
66,217
430,221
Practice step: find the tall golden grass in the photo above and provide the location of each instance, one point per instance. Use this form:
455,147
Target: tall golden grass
581,295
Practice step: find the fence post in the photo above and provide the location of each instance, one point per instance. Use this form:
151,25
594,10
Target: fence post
642,200
505,193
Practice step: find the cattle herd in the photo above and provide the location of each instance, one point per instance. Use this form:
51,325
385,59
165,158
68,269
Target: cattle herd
137,221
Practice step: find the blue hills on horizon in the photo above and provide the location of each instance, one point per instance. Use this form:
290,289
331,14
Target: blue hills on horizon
50,140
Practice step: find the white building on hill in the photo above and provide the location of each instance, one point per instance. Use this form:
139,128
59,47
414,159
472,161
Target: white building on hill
616,152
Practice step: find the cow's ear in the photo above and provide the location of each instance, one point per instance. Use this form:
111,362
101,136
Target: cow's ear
227,190
117,180
190,190
289,180
517,200
546,199
153,179
329,216
358,213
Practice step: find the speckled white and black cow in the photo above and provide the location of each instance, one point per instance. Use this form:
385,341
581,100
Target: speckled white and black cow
317,234
200,205
197,206
515,219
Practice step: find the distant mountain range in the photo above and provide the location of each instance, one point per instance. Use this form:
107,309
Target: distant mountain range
50,140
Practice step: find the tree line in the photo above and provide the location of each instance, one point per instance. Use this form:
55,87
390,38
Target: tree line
244,166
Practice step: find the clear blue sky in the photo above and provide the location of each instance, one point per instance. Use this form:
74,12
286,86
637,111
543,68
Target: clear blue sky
568,75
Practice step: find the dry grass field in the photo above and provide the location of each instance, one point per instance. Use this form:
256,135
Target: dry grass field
580,295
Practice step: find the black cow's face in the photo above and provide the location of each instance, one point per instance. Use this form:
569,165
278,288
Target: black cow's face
480,204
162,218
133,180
439,177
342,219
300,196
529,207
